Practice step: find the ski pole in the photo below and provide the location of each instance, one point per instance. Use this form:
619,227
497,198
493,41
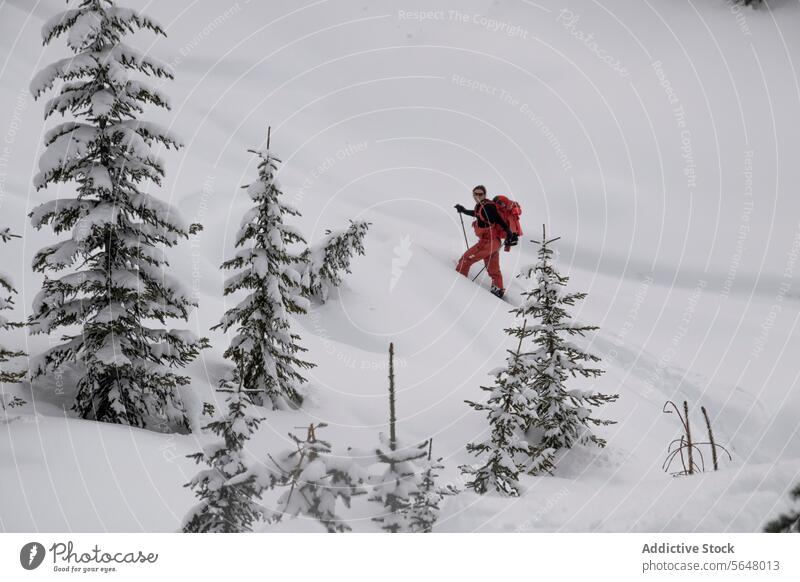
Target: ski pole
479,272
464,230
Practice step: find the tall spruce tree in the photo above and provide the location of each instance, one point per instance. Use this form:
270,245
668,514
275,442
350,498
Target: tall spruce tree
8,376
329,260
510,411
116,284
401,480
562,417
314,480
264,350
228,490
787,522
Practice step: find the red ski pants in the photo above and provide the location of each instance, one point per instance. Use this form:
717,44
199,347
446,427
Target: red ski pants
487,249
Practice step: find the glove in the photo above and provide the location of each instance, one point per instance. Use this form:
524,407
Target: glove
512,239
460,208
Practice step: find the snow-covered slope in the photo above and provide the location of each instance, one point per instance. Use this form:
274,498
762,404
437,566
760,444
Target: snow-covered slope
669,175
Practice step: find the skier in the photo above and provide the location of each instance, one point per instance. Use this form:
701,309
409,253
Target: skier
490,228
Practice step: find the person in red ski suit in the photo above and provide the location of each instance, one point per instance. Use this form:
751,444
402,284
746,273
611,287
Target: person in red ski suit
488,225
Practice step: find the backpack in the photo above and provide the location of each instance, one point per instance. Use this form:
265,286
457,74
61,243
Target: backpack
510,211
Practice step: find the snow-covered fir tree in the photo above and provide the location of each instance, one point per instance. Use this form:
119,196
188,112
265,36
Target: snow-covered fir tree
509,408
227,489
8,376
331,258
7,402
315,480
109,276
426,503
264,350
787,522
394,489
561,417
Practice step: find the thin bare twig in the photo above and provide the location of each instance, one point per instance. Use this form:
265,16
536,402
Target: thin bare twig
688,436
710,438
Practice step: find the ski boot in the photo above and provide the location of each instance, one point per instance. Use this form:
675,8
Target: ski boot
497,291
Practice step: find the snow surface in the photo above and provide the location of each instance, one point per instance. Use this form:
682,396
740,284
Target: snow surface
672,187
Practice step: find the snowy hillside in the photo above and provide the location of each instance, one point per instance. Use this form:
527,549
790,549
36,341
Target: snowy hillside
657,138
